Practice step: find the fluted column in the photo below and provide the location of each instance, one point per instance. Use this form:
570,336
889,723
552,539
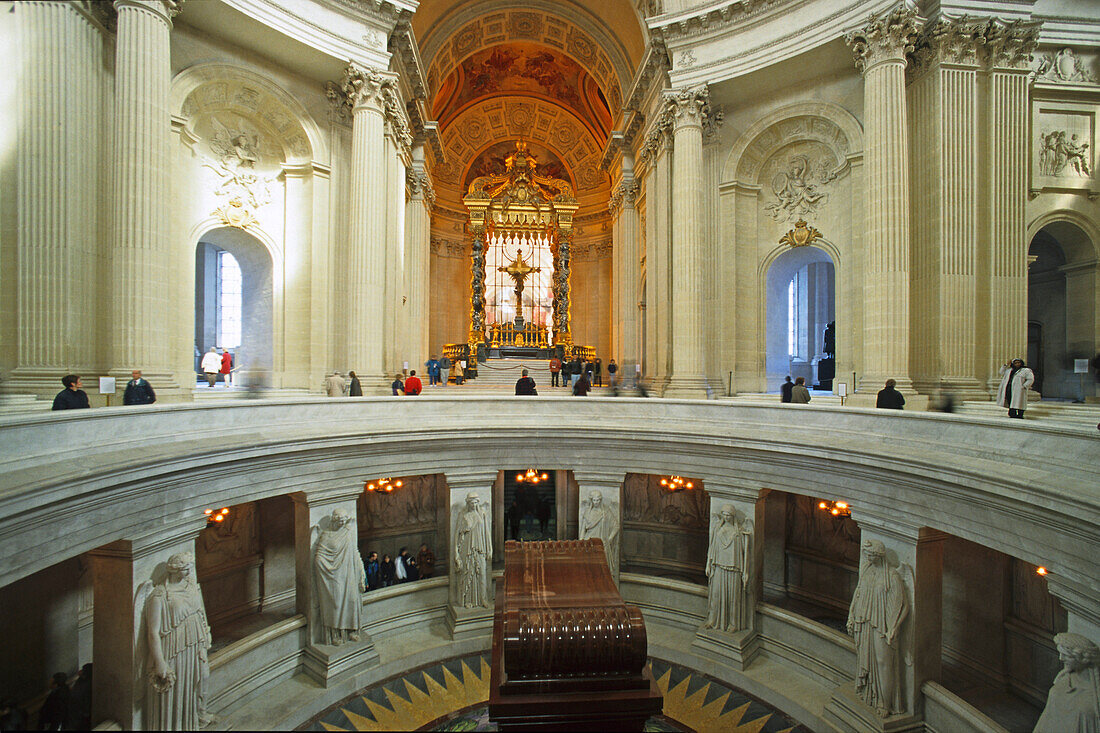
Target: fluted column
367,227
880,49
418,221
687,108
59,107
294,363
945,140
1008,48
139,307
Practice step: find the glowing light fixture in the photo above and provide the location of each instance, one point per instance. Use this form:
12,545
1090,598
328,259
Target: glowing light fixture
213,516
383,485
531,476
677,483
836,508
1041,570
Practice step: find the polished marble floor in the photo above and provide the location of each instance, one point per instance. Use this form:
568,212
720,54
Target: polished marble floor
452,696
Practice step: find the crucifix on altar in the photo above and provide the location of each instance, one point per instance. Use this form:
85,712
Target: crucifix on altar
518,270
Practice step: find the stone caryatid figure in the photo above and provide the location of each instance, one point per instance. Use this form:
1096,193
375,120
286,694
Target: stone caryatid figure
600,519
1073,705
729,560
473,548
340,580
879,607
177,638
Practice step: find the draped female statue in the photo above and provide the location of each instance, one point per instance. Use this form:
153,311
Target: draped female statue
178,639
1073,705
602,520
341,578
473,548
879,607
728,563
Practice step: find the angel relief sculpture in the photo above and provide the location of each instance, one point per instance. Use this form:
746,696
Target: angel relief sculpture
796,193
242,191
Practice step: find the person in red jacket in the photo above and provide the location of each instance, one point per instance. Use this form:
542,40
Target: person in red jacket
227,366
413,385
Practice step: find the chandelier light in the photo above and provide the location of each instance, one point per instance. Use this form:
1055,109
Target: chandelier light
836,508
677,483
383,485
213,516
531,476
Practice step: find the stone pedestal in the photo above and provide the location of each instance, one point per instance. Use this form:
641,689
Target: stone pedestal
847,713
736,649
610,486
118,571
468,623
327,664
880,49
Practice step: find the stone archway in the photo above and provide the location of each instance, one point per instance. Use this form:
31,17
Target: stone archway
1062,324
795,321
254,352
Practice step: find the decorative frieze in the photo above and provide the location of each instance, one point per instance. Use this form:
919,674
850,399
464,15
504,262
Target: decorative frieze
449,248
1061,67
884,38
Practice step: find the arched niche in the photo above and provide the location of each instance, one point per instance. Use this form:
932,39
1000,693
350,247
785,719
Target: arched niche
255,357
1063,283
814,272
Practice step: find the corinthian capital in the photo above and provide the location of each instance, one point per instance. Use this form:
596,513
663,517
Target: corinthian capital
358,87
687,106
1009,44
886,37
949,40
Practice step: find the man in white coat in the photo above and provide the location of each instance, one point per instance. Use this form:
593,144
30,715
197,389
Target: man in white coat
211,365
1016,380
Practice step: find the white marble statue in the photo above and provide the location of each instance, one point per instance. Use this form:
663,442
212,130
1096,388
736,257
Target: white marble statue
729,560
473,549
879,607
176,638
1073,705
600,519
340,580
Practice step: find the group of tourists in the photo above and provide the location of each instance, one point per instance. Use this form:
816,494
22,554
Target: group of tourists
567,373
213,364
403,568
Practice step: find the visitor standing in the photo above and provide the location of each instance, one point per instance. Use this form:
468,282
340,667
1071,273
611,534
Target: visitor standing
433,371
56,707
72,397
460,371
425,562
211,365
138,390
373,570
555,370
387,571
227,366
582,386
598,372
413,385
354,388
335,385
1016,380
612,374
444,369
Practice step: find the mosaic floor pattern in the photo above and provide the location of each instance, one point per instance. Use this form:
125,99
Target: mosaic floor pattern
451,697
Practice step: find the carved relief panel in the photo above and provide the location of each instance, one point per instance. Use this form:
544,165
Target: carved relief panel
1063,148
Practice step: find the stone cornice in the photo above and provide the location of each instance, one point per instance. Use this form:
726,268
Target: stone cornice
653,63
885,37
405,50
715,16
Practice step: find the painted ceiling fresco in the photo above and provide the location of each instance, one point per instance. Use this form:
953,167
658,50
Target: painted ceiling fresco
491,160
524,69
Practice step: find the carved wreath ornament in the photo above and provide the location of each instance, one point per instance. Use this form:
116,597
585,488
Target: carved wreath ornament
802,235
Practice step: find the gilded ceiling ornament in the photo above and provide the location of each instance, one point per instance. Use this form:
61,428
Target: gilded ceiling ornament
802,235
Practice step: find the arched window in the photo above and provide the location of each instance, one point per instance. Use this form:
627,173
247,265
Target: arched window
230,290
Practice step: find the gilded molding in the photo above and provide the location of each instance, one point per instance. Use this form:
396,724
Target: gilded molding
801,236
885,37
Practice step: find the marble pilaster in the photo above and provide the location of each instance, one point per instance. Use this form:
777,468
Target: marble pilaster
466,622
687,108
610,486
1006,58
880,48
657,155
916,554
297,356
944,122
396,308
118,571
325,663
737,648
418,220
56,173
140,187
626,348
366,282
